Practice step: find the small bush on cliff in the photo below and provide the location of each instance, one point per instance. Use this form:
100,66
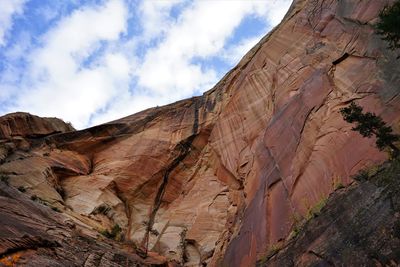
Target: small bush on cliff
368,124
315,211
114,234
56,209
102,209
389,25
21,189
4,178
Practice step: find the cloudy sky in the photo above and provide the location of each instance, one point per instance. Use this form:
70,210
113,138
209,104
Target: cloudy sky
92,61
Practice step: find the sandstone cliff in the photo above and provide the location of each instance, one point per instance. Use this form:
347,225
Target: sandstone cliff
218,179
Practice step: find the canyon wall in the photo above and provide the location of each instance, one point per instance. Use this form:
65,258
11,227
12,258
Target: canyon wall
220,178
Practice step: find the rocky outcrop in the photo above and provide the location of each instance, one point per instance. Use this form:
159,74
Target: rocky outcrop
27,125
358,226
32,233
218,179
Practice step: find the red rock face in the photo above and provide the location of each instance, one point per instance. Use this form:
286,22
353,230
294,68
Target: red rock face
218,179
25,124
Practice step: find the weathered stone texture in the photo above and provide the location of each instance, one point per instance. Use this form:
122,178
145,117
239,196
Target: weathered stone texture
358,226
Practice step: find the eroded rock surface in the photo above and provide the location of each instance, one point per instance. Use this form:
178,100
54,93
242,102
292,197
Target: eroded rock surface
359,226
217,179
25,124
33,234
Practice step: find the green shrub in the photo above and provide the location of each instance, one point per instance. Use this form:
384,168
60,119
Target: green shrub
102,209
56,209
316,210
339,185
114,234
298,223
368,124
362,175
39,200
61,192
21,189
389,25
297,228
4,178
154,232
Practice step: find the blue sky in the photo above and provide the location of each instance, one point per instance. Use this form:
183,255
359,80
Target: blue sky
93,61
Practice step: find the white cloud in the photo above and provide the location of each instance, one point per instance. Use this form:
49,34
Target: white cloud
233,54
167,72
275,10
200,32
155,17
8,8
86,69
126,104
20,48
70,89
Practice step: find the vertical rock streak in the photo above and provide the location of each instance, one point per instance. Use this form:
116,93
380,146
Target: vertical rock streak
184,148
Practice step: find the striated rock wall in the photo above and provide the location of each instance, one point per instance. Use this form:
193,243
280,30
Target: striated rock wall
218,179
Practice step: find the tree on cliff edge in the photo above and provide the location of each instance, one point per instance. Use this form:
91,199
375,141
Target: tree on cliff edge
368,124
389,25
